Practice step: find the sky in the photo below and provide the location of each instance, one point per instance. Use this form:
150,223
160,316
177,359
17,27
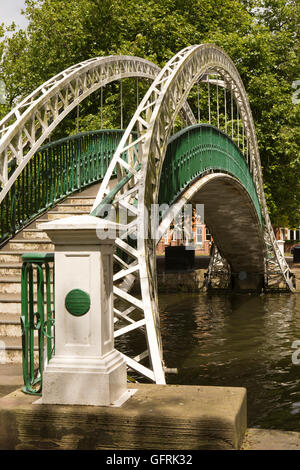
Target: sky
10,10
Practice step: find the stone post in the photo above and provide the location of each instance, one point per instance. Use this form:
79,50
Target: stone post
86,369
280,244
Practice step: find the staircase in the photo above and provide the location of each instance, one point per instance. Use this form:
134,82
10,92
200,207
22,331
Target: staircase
30,239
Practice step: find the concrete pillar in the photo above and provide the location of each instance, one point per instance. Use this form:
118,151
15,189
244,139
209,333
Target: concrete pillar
86,369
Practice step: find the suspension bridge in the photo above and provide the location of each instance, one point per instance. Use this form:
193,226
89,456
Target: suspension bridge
215,164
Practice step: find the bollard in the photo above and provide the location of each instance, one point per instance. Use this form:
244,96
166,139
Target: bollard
86,369
280,244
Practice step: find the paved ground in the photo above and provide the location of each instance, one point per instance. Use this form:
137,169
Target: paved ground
271,439
10,378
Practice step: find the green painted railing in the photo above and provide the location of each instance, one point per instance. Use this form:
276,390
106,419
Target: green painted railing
198,149
56,170
68,165
37,318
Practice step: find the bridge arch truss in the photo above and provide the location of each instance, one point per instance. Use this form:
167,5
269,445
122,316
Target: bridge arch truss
27,126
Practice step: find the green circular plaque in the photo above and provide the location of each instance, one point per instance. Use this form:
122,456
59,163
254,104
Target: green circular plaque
77,302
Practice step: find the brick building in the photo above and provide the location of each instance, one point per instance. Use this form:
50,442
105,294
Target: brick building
290,236
201,239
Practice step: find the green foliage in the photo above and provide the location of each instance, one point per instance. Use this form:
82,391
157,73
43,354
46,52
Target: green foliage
261,37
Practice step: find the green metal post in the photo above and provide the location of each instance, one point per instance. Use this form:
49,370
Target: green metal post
34,321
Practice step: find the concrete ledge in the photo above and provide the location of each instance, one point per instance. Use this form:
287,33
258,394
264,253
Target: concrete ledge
155,417
188,281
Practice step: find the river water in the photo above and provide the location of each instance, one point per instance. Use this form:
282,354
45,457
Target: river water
240,341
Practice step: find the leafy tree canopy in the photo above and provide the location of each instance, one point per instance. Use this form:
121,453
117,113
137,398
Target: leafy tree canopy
261,37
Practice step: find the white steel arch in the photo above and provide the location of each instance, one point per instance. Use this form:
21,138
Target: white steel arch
153,120
25,128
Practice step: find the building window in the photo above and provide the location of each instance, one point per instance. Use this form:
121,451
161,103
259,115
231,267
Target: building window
199,235
297,235
207,235
292,235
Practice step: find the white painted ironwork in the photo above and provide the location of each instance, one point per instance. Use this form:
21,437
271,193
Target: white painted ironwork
219,272
25,128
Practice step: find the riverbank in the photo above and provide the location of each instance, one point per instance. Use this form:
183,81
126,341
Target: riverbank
182,281
193,280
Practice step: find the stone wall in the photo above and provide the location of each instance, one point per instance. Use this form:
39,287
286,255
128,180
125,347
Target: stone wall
187,281
295,268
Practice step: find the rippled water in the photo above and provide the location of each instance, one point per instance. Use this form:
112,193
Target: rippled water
237,340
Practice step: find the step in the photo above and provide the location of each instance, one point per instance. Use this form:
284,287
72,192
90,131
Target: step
11,349
11,303
13,285
90,191
15,257
10,286
9,306
74,208
10,325
34,234
31,245
50,216
79,200
12,272
62,215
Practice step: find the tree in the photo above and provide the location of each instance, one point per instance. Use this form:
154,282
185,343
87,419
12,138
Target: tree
274,111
